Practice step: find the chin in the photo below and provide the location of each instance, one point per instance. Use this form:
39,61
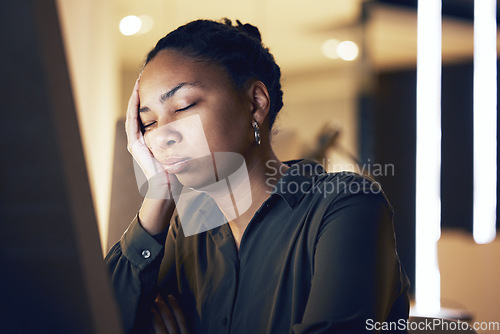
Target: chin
195,181
201,173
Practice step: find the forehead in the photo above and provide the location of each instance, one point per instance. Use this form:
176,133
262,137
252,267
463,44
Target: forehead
169,68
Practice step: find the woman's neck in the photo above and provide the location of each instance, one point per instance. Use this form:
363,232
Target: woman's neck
249,188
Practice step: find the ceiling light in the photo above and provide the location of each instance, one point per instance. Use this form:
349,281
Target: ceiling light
130,25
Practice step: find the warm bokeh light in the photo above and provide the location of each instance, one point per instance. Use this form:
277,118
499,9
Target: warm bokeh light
329,48
130,25
347,50
147,23
335,49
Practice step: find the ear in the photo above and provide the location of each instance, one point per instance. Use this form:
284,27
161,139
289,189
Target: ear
259,97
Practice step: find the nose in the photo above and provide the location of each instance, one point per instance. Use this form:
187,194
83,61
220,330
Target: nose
167,136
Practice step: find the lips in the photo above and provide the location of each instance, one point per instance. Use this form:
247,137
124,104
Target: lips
175,165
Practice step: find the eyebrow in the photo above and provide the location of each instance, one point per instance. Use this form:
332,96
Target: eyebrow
170,93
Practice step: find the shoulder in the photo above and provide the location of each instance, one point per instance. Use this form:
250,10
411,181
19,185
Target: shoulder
340,198
343,185
348,195
310,190
307,181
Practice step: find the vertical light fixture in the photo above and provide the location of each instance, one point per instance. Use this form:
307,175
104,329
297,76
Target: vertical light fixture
428,166
485,121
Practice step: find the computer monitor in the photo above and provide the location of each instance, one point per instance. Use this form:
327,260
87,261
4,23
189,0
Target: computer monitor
52,275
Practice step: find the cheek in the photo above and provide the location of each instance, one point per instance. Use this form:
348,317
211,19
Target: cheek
217,136
233,139
193,138
227,130
196,141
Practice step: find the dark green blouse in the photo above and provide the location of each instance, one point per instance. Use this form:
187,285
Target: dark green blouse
319,256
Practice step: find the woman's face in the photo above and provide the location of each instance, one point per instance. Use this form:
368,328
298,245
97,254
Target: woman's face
190,109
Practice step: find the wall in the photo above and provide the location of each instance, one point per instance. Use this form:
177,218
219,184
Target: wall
91,53
312,100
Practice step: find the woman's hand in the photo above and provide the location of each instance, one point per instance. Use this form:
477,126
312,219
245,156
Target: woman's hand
158,206
167,317
161,185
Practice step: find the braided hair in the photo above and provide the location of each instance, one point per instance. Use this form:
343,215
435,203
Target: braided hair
237,48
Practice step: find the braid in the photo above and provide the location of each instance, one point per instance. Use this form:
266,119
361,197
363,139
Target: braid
237,48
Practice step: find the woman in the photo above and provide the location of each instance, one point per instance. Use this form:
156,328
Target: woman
254,245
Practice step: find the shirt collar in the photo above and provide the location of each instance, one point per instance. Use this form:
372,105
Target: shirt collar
297,180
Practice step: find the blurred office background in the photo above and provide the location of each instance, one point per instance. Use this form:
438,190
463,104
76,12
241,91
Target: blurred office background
349,81
362,97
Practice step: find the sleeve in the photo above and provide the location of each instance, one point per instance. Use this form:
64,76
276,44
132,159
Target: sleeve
357,276
134,264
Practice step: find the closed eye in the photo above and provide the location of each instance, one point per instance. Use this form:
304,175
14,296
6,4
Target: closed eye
186,108
146,126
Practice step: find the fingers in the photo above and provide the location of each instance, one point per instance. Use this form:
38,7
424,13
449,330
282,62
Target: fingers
160,185
132,127
166,315
158,326
179,316
136,143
